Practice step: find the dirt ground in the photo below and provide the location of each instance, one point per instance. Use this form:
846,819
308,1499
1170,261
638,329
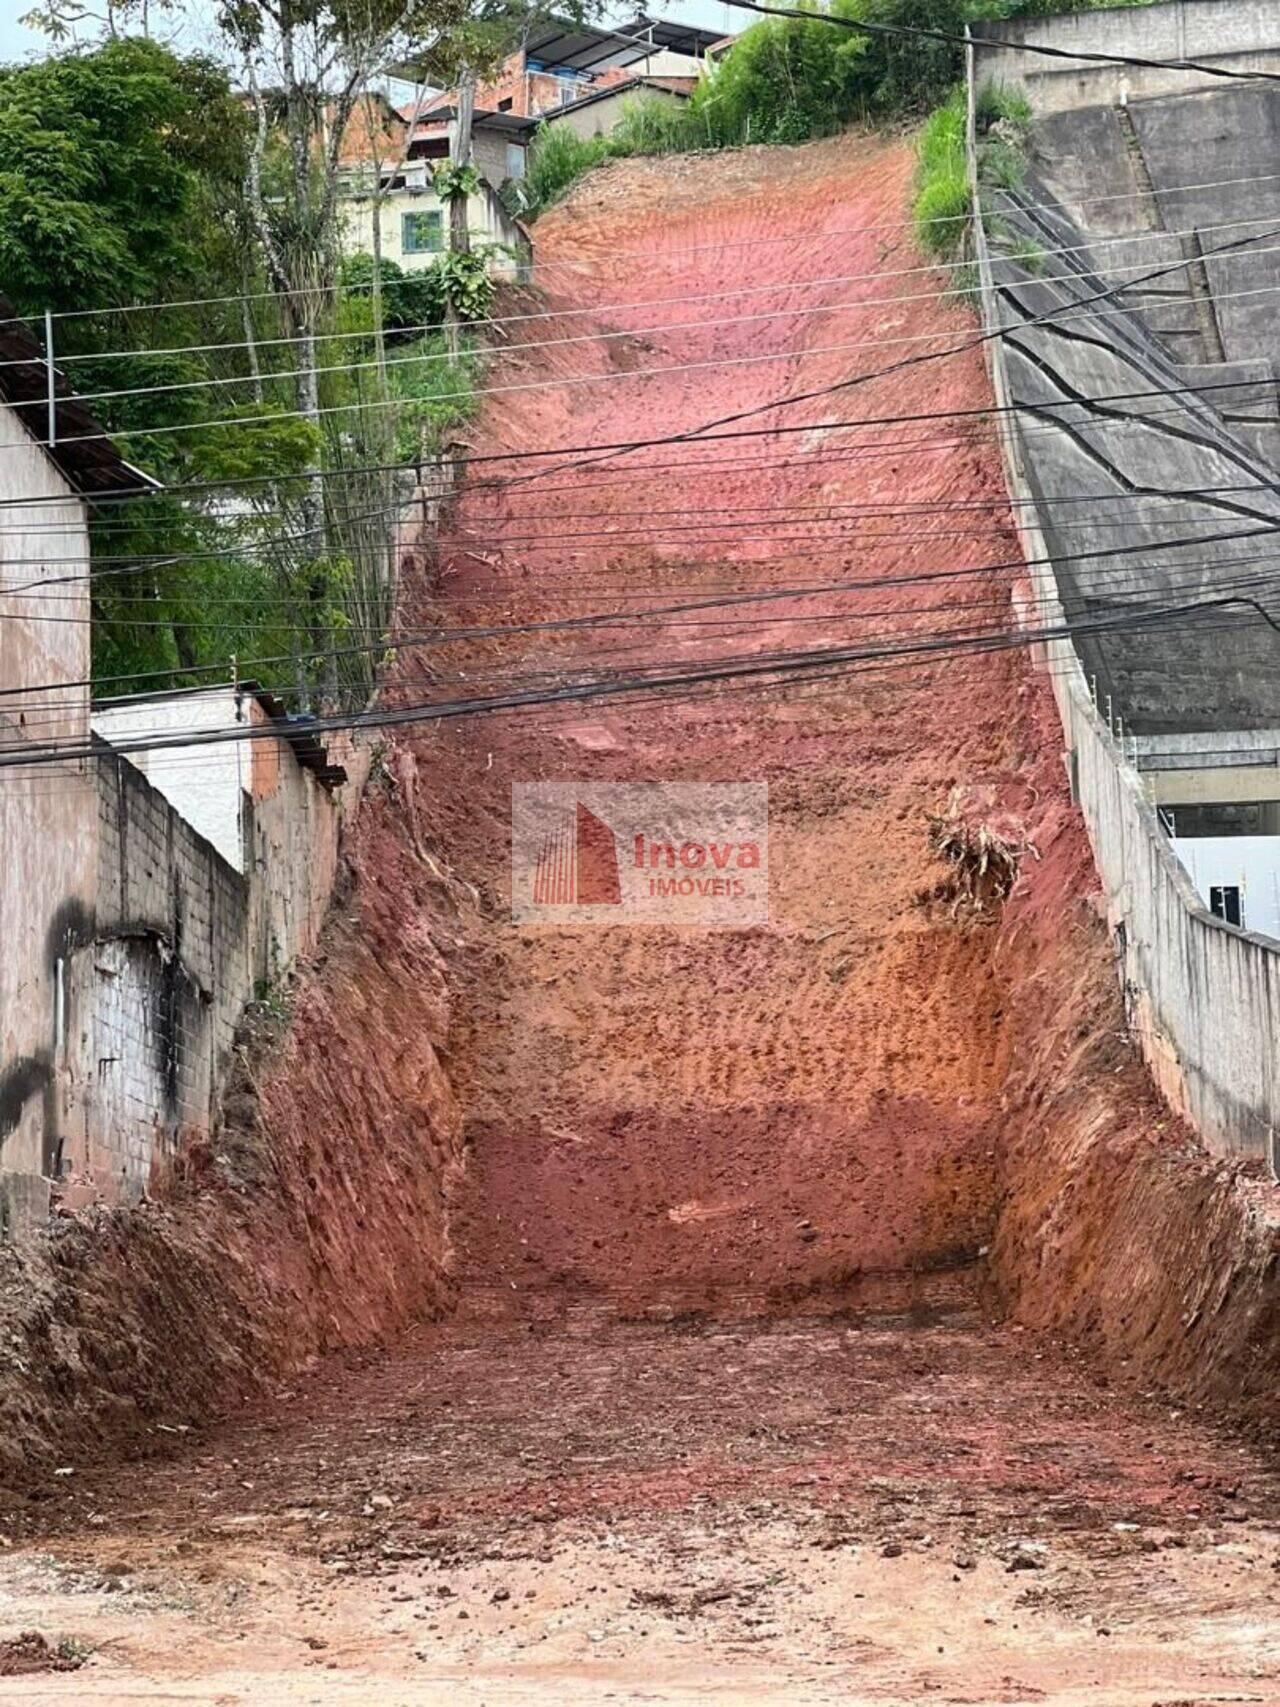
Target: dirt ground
730,1407
890,1506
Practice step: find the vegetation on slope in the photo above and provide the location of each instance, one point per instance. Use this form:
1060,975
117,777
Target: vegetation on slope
124,210
942,208
789,80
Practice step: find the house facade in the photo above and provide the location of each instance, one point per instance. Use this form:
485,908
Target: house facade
414,221
561,64
599,112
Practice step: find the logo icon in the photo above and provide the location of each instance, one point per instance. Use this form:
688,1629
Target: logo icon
640,853
578,865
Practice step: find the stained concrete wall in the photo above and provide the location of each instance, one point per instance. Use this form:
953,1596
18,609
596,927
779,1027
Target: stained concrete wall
1240,35
48,839
1202,996
1128,309
182,940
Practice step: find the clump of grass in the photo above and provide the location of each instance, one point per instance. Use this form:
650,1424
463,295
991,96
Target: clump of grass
1026,253
655,124
996,103
941,212
943,205
1000,163
983,860
558,158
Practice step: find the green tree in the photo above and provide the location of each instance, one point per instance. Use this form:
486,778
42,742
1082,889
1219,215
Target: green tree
115,166
120,176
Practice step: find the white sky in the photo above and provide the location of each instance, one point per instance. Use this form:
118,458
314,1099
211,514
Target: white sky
192,26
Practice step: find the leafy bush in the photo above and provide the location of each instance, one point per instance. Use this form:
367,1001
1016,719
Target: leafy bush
557,159
942,205
942,212
439,394
996,103
409,300
788,79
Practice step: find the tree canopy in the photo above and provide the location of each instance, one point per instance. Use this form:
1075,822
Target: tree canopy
113,167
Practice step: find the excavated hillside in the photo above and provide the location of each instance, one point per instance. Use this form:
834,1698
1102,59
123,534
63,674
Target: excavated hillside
727,1248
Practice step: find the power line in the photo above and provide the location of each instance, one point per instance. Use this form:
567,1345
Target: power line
720,689
627,446
1052,315
918,578
651,255
695,469
779,663
470,532
265,604
373,365
165,429
918,32
368,333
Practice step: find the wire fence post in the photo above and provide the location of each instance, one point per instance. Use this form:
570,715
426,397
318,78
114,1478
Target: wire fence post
52,392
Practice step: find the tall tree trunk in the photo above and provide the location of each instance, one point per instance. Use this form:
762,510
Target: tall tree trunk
250,340
460,206
304,288
379,334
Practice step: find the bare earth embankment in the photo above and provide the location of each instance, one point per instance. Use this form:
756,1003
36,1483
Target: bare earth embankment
742,1237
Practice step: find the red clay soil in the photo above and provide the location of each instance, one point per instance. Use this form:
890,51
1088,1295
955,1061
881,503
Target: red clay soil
734,1223
314,1220
757,1119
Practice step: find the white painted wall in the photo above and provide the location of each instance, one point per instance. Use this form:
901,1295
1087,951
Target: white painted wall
487,222
206,785
1251,863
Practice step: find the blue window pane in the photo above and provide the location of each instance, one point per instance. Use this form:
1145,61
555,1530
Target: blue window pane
422,233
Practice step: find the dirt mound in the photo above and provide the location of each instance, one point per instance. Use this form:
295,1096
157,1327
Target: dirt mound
875,1085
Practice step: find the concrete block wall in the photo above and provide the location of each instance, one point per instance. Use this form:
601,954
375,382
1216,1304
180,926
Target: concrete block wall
180,942
1202,995
170,974
1237,34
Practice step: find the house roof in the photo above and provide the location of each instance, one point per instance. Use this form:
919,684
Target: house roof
515,126
560,44
581,49
83,454
681,86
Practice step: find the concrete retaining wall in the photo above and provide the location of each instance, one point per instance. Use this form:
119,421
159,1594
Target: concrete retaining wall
1203,997
1239,35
